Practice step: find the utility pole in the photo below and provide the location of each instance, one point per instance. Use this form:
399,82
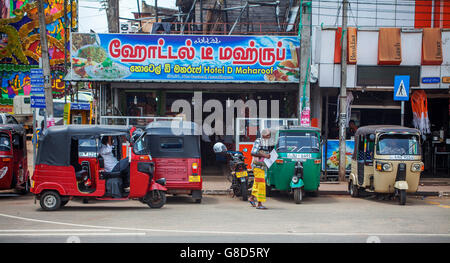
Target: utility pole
112,14
45,61
343,96
305,55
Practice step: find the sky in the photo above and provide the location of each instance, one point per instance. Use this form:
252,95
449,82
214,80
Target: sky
91,15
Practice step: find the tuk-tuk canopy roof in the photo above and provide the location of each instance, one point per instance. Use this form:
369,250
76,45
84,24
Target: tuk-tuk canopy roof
187,136
55,142
173,128
298,128
372,129
17,128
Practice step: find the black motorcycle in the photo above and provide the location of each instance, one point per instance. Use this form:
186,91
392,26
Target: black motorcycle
239,176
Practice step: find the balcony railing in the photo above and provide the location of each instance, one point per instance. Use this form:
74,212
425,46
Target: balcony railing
241,28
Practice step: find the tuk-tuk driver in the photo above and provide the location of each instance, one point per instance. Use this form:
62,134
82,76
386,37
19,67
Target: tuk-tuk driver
260,151
391,147
111,162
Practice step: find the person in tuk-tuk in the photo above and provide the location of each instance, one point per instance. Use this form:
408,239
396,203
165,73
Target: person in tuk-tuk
117,184
389,146
260,151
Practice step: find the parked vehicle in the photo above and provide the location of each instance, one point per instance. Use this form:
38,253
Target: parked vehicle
6,118
175,150
239,176
61,175
13,158
297,168
387,160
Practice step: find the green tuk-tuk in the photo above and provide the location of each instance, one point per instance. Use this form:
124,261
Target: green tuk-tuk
297,168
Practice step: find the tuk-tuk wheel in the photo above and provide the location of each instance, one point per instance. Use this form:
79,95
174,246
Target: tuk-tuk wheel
298,195
50,201
353,189
156,199
402,197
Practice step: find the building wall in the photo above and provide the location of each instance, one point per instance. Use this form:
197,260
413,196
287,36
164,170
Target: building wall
367,50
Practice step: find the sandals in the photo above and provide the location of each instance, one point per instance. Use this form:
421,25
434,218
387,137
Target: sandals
253,203
261,207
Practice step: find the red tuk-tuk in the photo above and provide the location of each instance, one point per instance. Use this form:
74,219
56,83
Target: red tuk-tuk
13,158
61,175
175,150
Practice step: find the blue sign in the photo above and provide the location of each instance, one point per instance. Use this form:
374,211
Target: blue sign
80,106
37,102
37,90
431,80
37,82
37,71
198,58
401,88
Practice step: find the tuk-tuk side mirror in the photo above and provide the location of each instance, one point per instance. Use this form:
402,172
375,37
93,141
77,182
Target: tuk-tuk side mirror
372,137
16,140
424,137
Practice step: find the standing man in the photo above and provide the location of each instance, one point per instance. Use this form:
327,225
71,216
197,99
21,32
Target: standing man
260,151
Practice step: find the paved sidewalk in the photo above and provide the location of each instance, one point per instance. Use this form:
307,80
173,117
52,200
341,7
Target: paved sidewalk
427,186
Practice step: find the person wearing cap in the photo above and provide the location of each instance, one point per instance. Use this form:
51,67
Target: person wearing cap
260,151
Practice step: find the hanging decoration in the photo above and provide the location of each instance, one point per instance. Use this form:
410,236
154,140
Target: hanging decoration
420,111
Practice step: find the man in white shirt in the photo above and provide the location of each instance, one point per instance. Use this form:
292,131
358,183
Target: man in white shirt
107,154
114,185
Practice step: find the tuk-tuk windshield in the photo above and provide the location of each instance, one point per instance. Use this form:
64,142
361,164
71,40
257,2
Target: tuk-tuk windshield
140,146
298,142
5,144
398,144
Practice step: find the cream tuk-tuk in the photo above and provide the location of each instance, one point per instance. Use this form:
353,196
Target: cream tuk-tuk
386,160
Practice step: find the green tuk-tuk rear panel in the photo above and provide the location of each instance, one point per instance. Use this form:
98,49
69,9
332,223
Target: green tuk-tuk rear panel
279,175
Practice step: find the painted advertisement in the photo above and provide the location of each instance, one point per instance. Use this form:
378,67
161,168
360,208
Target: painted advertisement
331,156
138,57
19,83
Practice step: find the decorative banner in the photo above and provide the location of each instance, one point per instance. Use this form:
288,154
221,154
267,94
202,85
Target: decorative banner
19,28
140,57
19,83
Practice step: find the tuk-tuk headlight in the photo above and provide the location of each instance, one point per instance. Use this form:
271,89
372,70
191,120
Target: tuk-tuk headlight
416,167
387,167
295,179
384,167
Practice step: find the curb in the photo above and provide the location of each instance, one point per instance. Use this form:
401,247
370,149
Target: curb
422,193
217,192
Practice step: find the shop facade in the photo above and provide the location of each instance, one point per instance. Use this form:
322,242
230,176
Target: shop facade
376,56
141,78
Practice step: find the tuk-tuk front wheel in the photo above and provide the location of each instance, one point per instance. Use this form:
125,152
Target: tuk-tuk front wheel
402,197
156,199
298,195
50,201
353,189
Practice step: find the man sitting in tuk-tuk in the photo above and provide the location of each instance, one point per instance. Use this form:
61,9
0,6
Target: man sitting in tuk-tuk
389,146
114,185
